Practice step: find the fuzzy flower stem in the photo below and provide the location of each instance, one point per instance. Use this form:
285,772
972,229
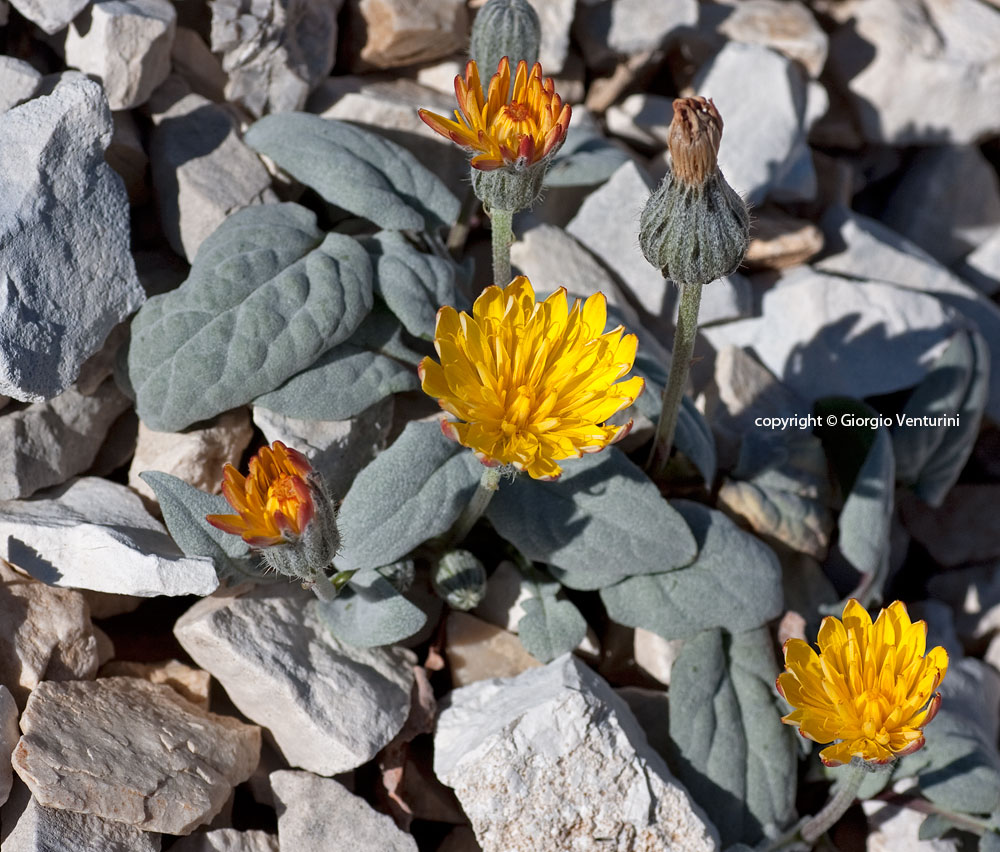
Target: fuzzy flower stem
503,235
488,485
680,364
323,589
835,808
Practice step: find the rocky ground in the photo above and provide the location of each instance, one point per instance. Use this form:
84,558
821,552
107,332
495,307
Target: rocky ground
147,709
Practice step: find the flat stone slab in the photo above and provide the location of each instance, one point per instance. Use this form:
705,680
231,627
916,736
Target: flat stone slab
8,738
554,753
330,706
95,534
125,749
227,840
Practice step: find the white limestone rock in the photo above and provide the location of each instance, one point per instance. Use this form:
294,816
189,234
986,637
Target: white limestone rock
982,267
312,810
919,73
49,442
125,749
28,826
505,592
763,99
50,15
609,29
849,337
202,170
655,655
18,81
126,45
338,449
68,277
553,753
192,684
786,26
45,634
227,840
642,119
394,33
947,202
9,734
95,534
329,706
192,60
197,456
556,18
274,51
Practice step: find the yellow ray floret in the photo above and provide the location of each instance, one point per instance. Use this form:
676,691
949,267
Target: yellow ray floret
273,502
531,383
872,687
522,127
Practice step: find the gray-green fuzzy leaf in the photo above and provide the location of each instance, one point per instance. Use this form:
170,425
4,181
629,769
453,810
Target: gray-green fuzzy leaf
603,516
550,627
735,582
355,169
412,492
267,295
184,508
369,612
733,753
930,458
414,285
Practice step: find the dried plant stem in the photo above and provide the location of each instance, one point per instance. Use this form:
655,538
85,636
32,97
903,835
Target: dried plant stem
680,365
503,236
488,485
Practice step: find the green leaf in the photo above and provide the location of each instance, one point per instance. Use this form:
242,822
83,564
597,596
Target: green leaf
382,332
184,508
355,169
602,517
550,627
412,492
733,753
959,767
989,842
341,384
267,295
414,285
934,826
370,612
930,458
735,582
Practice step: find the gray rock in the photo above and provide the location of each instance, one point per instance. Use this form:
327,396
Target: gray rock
50,15
896,828
947,202
553,753
312,810
197,456
606,224
35,828
202,171
95,534
786,26
338,449
556,17
274,51
68,276
45,634
193,61
762,97
609,29
18,81
724,300
164,764
919,73
330,707
9,734
48,442
394,33
849,337
227,840
655,655
126,45
982,267
872,250
642,119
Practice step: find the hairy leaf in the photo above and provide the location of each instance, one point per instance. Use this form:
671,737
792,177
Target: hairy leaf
370,612
550,627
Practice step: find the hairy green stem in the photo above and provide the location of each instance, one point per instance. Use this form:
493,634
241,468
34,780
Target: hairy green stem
503,235
835,808
488,485
680,364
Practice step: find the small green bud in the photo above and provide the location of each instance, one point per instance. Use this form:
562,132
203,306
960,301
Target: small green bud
460,579
512,188
695,228
505,28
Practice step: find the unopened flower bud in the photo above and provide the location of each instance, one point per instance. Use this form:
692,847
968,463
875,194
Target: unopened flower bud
400,574
695,228
505,28
460,579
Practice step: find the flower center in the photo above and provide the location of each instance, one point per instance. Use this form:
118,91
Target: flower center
514,119
282,496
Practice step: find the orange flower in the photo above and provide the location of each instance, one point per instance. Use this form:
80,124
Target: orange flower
274,503
505,129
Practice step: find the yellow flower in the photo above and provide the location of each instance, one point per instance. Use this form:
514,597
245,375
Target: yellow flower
871,686
274,503
531,383
505,129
